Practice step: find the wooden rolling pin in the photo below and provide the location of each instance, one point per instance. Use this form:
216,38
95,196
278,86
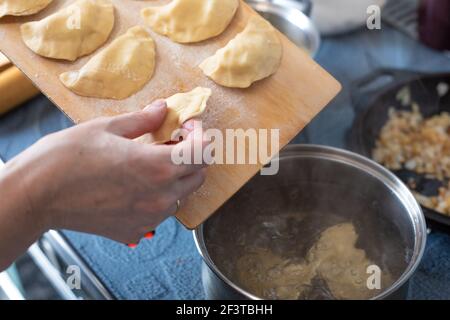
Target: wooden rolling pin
15,88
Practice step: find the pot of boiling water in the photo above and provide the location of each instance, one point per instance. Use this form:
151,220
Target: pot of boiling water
330,225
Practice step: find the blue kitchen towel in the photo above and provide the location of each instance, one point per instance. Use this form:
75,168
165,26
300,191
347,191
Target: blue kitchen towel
432,279
164,267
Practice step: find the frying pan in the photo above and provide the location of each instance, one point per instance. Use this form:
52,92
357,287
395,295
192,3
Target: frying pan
374,95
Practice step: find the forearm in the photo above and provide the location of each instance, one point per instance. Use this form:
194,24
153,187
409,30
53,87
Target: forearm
19,225
94,178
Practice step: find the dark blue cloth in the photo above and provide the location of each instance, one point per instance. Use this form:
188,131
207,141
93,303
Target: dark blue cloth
168,266
432,279
165,267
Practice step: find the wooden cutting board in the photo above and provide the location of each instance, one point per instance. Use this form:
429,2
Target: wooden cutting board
4,63
287,101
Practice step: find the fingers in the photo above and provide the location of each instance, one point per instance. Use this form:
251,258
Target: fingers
189,125
165,164
175,195
166,205
186,129
193,145
136,124
175,207
183,159
185,186
189,154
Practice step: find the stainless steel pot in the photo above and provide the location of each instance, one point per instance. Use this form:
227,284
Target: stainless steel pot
324,187
291,18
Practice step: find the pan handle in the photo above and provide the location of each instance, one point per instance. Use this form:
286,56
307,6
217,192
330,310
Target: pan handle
363,89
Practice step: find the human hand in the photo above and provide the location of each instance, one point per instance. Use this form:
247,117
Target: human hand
95,178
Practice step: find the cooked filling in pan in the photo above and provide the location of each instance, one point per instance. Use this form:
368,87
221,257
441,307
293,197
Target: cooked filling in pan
410,141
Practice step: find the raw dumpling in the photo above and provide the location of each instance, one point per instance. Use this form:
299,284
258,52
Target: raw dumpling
188,21
252,55
181,108
72,32
22,7
119,70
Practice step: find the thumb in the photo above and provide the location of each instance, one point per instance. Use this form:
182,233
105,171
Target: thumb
136,124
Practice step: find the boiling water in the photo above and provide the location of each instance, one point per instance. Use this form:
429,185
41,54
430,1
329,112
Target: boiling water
332,269
305,247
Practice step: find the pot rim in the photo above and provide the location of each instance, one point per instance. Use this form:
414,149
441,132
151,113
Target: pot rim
297,14
359,162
